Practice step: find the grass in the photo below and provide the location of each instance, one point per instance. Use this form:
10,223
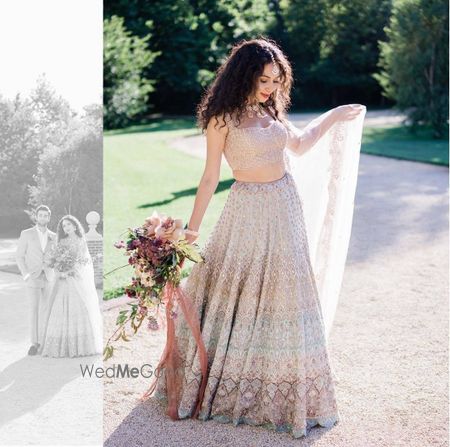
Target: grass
142,173
397,142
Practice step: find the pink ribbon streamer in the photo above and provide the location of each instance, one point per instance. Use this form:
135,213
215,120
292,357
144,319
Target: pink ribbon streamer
171,359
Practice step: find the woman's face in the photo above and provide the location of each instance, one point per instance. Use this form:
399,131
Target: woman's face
68,226
267,83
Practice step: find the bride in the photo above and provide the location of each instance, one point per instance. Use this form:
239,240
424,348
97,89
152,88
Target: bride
74,321
266,294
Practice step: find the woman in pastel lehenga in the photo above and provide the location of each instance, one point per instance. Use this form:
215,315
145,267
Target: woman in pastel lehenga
74,321
267,290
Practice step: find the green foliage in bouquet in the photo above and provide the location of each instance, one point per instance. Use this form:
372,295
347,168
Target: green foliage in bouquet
157,251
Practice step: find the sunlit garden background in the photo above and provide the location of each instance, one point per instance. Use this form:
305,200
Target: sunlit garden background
389,342
391,55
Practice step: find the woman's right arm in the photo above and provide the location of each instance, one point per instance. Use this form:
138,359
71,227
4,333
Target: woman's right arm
215,142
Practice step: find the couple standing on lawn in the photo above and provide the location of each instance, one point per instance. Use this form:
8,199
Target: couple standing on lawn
59,275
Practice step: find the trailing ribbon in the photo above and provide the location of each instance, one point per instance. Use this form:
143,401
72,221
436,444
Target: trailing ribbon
171,360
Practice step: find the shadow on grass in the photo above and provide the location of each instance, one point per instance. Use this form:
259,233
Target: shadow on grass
222,186
10,268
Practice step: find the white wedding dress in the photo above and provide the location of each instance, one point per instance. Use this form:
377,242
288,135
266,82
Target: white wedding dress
74,321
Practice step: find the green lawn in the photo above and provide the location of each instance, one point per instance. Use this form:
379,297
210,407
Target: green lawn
397,142
142,174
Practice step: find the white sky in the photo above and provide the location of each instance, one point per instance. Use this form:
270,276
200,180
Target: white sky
61,38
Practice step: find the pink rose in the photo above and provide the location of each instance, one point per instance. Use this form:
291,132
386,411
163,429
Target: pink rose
170,229
153,221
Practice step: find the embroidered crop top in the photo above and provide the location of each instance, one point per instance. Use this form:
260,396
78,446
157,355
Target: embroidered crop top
248,147
254,146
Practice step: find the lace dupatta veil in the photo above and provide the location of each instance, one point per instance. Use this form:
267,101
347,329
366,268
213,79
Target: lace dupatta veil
87,291
324,164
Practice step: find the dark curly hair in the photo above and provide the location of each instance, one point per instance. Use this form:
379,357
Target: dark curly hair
42,208
79,230
236,79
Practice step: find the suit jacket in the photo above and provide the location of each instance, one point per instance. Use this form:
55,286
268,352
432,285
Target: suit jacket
30,256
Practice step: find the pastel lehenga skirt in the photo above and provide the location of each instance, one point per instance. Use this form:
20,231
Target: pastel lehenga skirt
260,318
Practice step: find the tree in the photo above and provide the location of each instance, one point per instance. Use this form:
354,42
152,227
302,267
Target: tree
349,49
300,29
126,90
69,177
48,155
191,38
414,62
20,148
53,113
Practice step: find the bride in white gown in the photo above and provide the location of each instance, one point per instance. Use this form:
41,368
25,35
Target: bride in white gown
74,321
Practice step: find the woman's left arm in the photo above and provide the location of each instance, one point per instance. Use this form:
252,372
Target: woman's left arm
302,140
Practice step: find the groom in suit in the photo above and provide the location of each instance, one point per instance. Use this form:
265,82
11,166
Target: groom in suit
35,244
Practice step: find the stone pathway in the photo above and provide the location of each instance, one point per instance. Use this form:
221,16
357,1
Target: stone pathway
389,342
43,401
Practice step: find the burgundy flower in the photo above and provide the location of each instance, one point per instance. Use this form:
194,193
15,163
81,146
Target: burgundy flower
133,244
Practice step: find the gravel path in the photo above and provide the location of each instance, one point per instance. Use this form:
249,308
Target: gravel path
43,401
389,343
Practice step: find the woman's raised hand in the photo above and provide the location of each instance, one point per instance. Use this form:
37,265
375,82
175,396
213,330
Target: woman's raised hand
348,111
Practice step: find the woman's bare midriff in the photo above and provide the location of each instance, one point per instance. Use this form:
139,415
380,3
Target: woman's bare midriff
267,173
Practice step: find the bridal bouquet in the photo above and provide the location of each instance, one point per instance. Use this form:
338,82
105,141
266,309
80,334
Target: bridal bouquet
63,259
156,250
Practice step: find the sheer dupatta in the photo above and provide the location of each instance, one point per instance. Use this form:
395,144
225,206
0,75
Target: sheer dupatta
323,158
84,283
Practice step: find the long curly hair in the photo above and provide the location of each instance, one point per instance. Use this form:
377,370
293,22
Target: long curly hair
237,77
79,230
